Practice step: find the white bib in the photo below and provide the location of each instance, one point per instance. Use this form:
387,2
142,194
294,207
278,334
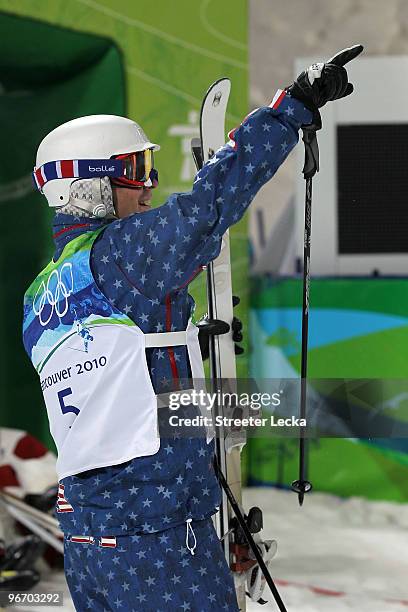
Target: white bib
101,404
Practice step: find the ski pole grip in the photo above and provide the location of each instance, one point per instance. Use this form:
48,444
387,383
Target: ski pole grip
311,165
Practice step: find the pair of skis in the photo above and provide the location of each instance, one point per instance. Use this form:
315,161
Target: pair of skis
38,522
247,555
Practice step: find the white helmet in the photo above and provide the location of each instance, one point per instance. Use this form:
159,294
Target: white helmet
95,137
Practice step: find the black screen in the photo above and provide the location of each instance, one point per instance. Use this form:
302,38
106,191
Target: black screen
372,180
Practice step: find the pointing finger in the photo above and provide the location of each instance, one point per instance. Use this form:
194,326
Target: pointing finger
345,56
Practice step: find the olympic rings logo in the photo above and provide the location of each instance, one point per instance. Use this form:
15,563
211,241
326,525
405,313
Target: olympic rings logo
55,295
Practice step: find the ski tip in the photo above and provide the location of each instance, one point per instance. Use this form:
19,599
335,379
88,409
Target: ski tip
224,81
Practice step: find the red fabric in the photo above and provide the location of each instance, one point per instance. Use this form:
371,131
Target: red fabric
67,168
173,364
71,227
122,180
62,504
8,477
279,100
82,539
39,177
231,133
108,542
29,448
330,592
194,274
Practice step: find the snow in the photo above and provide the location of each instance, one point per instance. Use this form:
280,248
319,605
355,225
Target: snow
351,546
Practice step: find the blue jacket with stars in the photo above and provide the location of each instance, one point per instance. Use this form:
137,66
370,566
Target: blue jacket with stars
143,264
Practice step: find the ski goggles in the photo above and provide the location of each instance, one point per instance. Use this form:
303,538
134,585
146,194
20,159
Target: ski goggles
138,170
127,170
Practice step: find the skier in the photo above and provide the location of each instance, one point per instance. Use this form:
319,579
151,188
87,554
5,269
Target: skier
83,331
136,510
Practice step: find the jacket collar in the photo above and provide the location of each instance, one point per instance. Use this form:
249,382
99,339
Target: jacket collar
67,227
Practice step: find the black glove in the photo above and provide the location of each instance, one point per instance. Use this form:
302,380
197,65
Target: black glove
323,82
214,327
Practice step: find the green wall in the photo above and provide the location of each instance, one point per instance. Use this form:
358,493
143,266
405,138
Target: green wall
358,329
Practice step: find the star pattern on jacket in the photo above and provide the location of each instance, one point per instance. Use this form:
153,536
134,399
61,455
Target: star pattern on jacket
144,264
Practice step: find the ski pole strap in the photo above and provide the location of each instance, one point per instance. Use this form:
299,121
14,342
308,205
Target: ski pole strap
311,165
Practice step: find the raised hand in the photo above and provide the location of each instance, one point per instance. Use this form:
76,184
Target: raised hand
323,82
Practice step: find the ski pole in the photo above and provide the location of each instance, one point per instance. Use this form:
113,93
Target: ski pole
311,166
248,535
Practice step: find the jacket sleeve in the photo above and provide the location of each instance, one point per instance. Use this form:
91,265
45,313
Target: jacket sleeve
163,249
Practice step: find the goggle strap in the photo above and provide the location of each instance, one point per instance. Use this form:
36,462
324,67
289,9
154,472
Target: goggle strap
91,168
77,168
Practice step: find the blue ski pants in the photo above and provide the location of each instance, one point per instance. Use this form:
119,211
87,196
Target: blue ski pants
182,568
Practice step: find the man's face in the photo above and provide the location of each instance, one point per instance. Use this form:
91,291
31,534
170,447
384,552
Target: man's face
129,201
